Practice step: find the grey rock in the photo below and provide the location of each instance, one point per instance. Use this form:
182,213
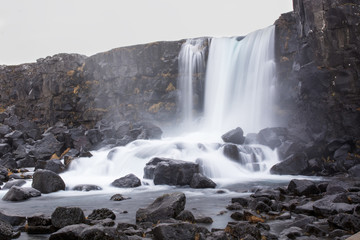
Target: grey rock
65,216
20,194
47,181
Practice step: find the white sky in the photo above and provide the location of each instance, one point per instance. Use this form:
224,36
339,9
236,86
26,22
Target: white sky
32,29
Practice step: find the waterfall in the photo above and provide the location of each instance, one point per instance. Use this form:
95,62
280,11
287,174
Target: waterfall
239,92
191,64
240,82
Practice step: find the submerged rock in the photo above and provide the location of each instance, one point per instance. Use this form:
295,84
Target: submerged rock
86,188
164,207
20,194
200,181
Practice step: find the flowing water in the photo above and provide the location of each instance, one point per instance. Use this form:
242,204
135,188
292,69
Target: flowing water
240,81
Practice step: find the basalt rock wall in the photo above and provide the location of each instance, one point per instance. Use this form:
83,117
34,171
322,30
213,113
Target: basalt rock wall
318,59
131,83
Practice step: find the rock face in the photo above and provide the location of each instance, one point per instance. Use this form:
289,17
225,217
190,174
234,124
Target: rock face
164,207
47,181
317,55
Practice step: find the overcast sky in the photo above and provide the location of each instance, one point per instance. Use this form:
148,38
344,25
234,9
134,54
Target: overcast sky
32,29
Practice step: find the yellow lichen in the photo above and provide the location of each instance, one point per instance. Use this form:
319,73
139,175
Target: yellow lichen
136,91
65,152
170,88
284,59
155,107
76,89
54,156
80,69
70,73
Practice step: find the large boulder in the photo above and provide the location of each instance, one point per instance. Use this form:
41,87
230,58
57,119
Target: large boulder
184,231
295,164
47,181
304,187
345,221
146,130
71,232
200,181
272,137
7,232
65,216
17,183
100,214
4,148
164,207
20,194
54,165
128,181
235,136
243,230
170,171
46,147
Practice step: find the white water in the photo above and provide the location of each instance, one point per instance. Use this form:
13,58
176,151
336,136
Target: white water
239,90
240,82
191,62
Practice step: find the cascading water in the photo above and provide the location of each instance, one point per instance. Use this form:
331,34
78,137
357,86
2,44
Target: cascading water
191,62
239,89
240,82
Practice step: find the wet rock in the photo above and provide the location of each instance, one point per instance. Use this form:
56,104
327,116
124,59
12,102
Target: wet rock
7,232
326,206
174,172
231,151
99,232
235,136
4,148
17,183
128,181
147,130
46,147
14,220
335,187
295,164
47,181
53,165
185,231
103,213
71,232
355,171
234,206
312,229
304,187
118,197
39,224
186,215
292,232
288,148
8,161
20,194
30,129
238,216
164,207
242,201
204,220
272,137
94,136
262,207
242,229
345,221
4,129
65,216
200,181
86,188
26,162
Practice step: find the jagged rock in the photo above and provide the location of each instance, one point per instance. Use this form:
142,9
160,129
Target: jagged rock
186,231
164,207
327,207
272,137
25,162
99,232
235,136
4,148
147,130
295,164
355,171
7,232
47,181
170,171
65,216
86,188
20,194
46,147
4,129
242,229
232,152
186,215
103,213
345,221
71,232
292,232
303,187
39,224
242,201
200,181
14,220
8,161
17,183
54,165
128,181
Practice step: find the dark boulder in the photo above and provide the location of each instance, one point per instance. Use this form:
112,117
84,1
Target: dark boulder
101,233
4,129
146,130
100,214
173,172
151,165
46,147
326,206
128,181
8,161
118,197
20,194
291,233
79,140
94,136
17,183
7,232
231,151
54,165
272,137
355,171
164,207
241,230
30,129
71,232
14,220
289,147
295,164
86,188
184,231
4,148
345,221
186,215
304,187
65,216
235,136
200,181
47,181
39,224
